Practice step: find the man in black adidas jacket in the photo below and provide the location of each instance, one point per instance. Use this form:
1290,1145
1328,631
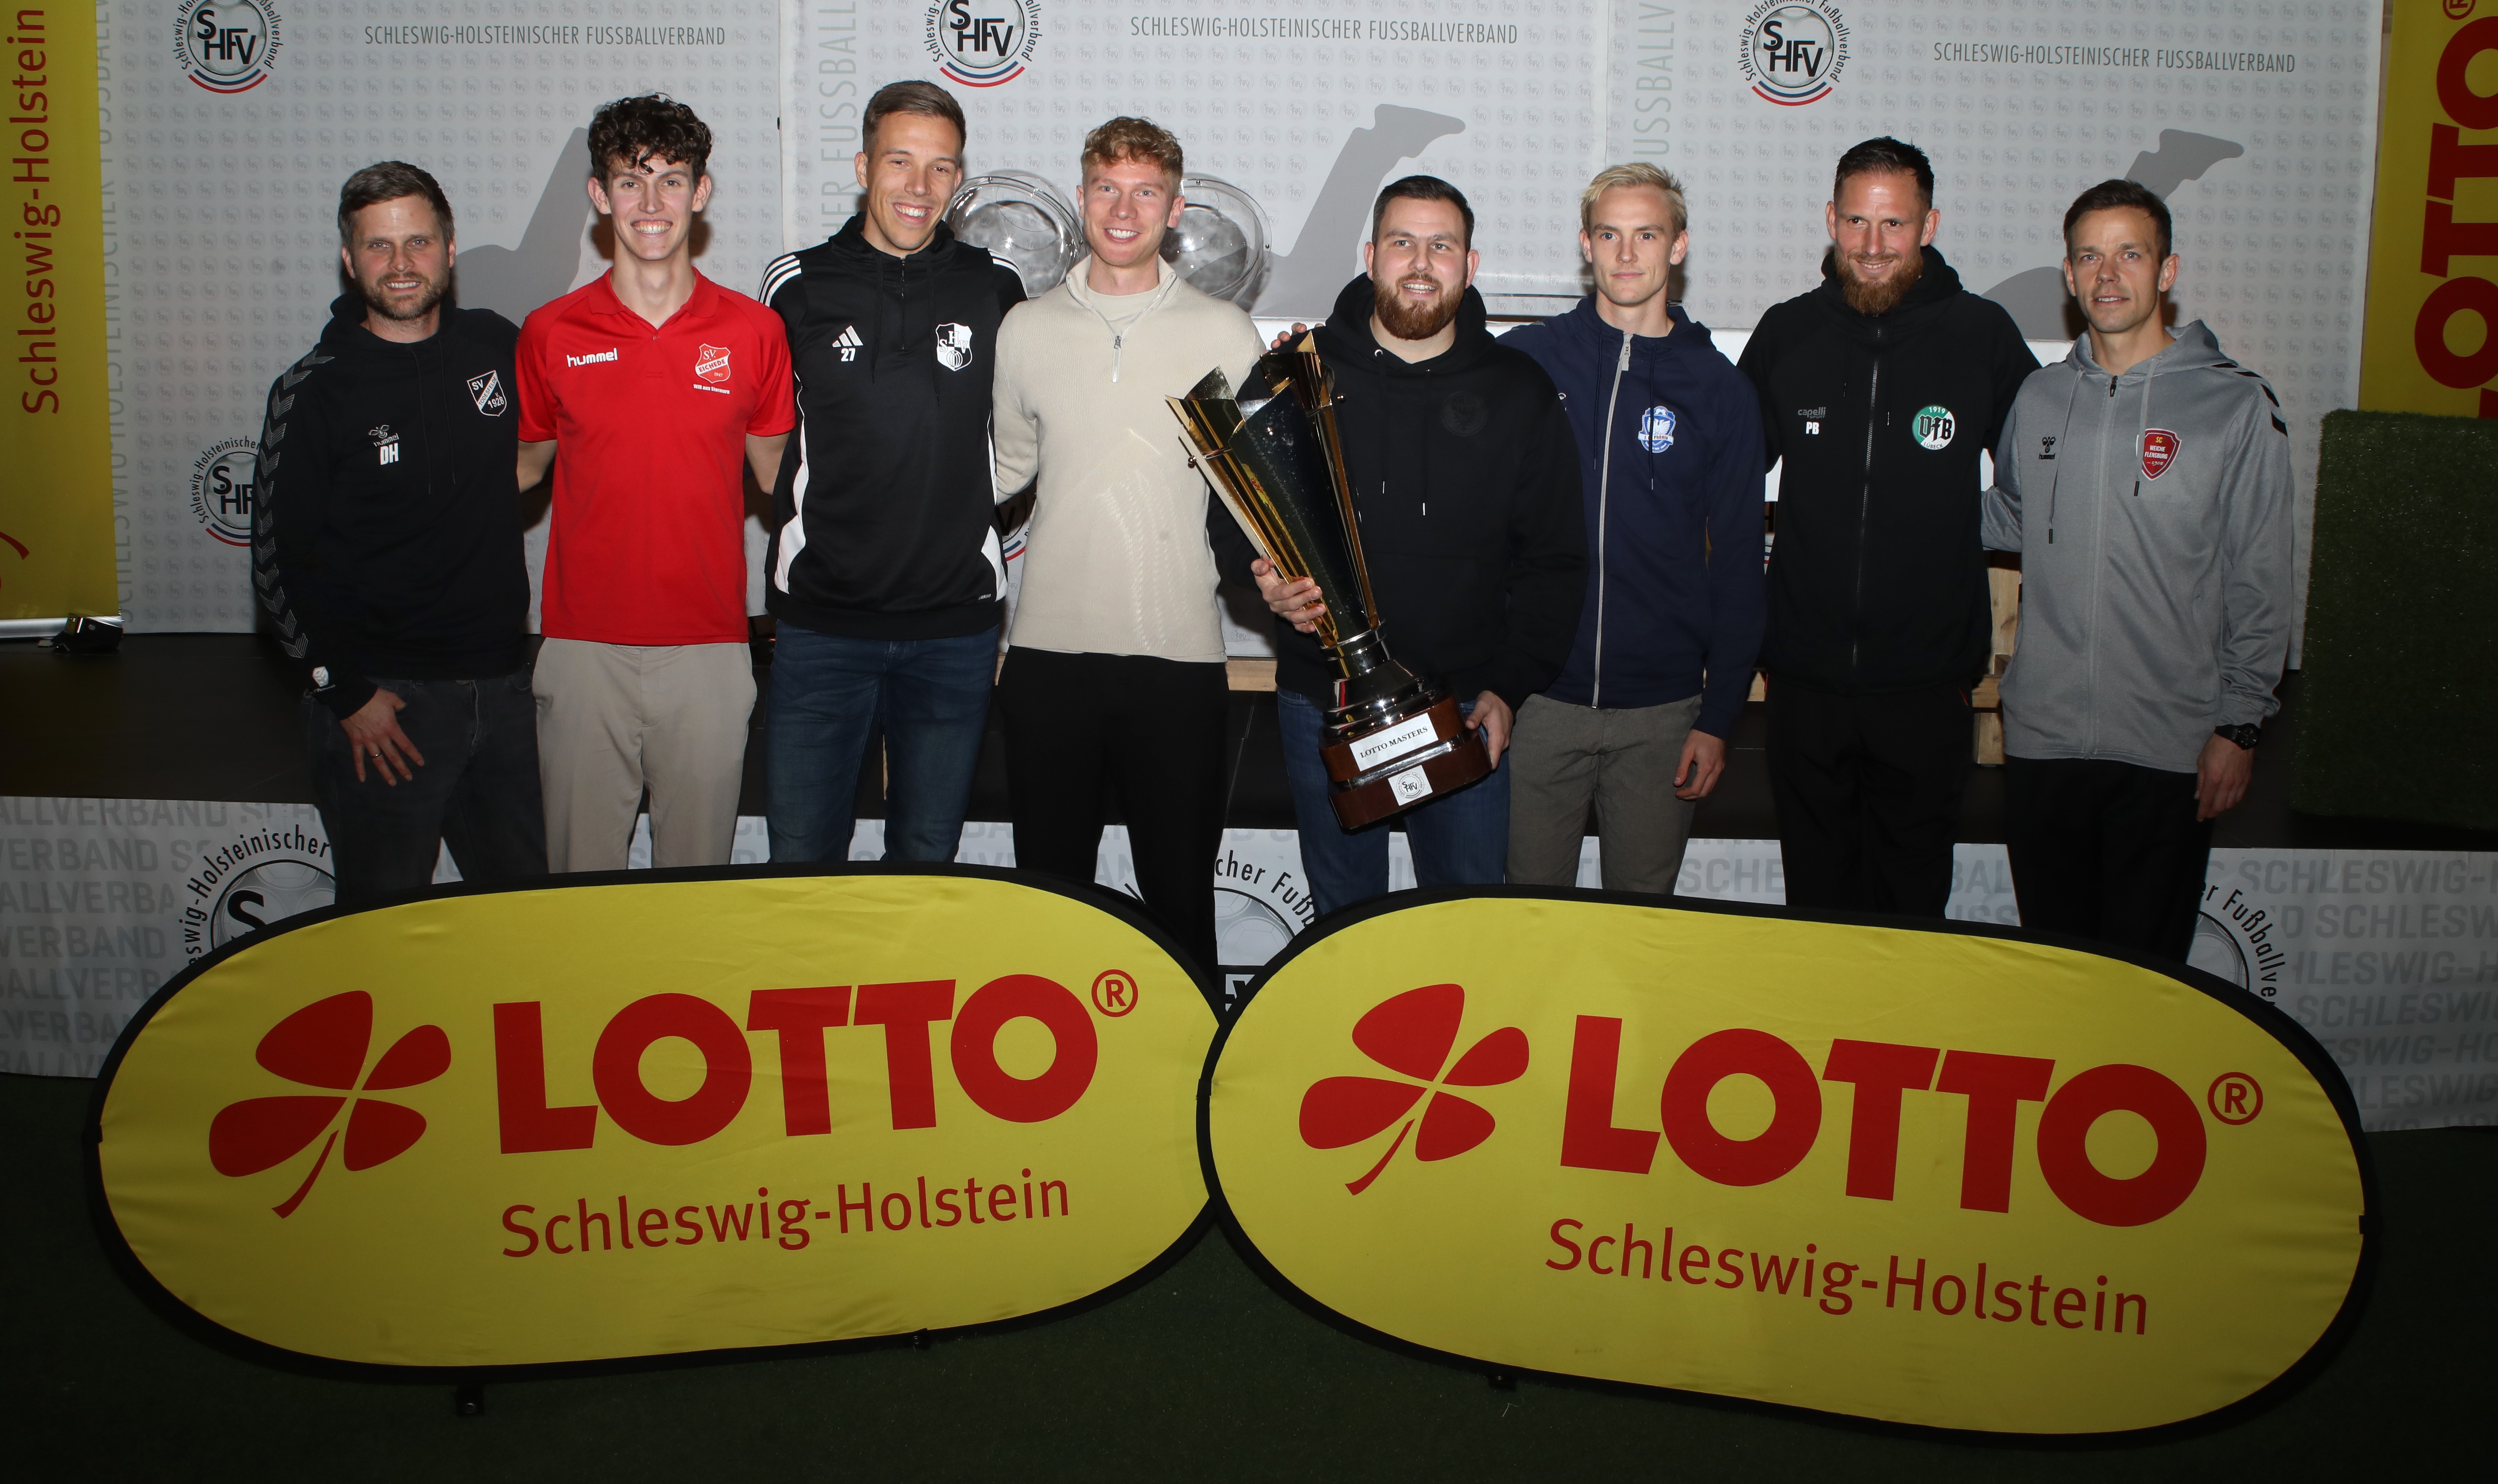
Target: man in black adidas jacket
885,566
386,545
1466,476
1878,388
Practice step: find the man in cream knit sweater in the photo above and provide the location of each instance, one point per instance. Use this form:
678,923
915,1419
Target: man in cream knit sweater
1114,677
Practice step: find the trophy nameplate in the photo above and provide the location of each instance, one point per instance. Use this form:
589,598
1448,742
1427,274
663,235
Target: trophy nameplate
1391,740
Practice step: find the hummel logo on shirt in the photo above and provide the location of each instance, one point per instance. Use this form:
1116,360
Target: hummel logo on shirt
594,356
848,343
385,442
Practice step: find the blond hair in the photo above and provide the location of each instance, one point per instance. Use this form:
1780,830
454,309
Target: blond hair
1138,141
1638,173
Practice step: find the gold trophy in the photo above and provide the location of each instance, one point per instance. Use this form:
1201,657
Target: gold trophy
1390,741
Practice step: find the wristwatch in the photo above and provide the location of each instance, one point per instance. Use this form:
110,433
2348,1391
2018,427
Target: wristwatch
2246,734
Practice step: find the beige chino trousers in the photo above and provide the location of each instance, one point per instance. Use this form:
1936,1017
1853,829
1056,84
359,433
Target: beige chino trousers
615,717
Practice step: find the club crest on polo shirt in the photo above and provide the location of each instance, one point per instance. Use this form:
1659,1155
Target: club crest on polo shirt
487,392
954,345
1657,429
2159,451
711,363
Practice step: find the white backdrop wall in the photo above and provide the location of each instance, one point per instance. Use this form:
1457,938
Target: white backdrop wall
221,236
2256,117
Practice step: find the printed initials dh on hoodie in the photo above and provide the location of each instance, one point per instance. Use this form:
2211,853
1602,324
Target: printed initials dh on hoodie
2152,512
1877,581
883,517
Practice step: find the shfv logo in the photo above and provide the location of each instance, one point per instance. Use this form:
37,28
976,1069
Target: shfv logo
226,45
982,43
1793,52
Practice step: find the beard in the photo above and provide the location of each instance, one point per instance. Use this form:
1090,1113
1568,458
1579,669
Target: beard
1879,298
380,301
1408,320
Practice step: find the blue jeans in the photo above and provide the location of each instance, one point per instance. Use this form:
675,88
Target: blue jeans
828,694
1459,839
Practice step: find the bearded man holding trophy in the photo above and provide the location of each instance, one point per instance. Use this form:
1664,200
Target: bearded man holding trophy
1400,480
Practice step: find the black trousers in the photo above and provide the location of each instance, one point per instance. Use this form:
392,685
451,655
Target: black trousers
1868,790
2108,851
1082,729
477,791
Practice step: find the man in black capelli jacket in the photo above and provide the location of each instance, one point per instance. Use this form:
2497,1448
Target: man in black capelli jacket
1879,389
1466,477
386,548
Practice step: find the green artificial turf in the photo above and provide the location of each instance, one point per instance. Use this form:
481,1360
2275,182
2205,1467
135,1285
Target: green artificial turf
2398,704
1203,1374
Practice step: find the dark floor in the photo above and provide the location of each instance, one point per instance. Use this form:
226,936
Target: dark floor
1204,1374
215,716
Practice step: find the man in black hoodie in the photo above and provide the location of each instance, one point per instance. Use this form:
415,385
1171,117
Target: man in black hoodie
1879,389
1466,474
885,566
385,546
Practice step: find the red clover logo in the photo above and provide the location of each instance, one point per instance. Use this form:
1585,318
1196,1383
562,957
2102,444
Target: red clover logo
323,1045
1412,1035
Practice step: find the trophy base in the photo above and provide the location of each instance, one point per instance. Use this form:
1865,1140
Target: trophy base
1391,766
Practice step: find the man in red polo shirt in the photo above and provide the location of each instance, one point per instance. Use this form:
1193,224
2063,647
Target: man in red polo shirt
643,390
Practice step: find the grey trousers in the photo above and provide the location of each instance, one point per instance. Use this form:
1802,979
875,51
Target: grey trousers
613,717
1565,757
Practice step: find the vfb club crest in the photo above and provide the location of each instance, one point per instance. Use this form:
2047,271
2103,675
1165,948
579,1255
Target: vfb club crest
1793,52
226,45
982,43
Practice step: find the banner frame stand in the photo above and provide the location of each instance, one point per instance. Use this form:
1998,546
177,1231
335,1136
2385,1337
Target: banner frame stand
2270,1016
161,1301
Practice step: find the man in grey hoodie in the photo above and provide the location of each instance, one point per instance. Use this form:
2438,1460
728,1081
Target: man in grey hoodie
2145,480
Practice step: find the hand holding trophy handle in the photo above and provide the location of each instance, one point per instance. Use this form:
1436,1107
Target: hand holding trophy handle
1295,600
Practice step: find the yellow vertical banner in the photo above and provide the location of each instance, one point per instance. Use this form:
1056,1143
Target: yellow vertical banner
57,554
2431,343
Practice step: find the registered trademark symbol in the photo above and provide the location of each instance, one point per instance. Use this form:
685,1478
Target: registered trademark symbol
2234,1099
1115,991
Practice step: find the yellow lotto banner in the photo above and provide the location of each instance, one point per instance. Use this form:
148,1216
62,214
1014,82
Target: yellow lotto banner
1927,1177
588,1122
56,545
2431,343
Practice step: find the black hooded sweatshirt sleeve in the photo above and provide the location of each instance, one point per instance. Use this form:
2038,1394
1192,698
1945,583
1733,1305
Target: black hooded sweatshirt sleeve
1878,580
1466,478
386,532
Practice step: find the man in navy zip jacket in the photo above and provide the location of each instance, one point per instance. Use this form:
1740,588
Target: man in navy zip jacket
885,568
1878,388
386,548
1669,436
